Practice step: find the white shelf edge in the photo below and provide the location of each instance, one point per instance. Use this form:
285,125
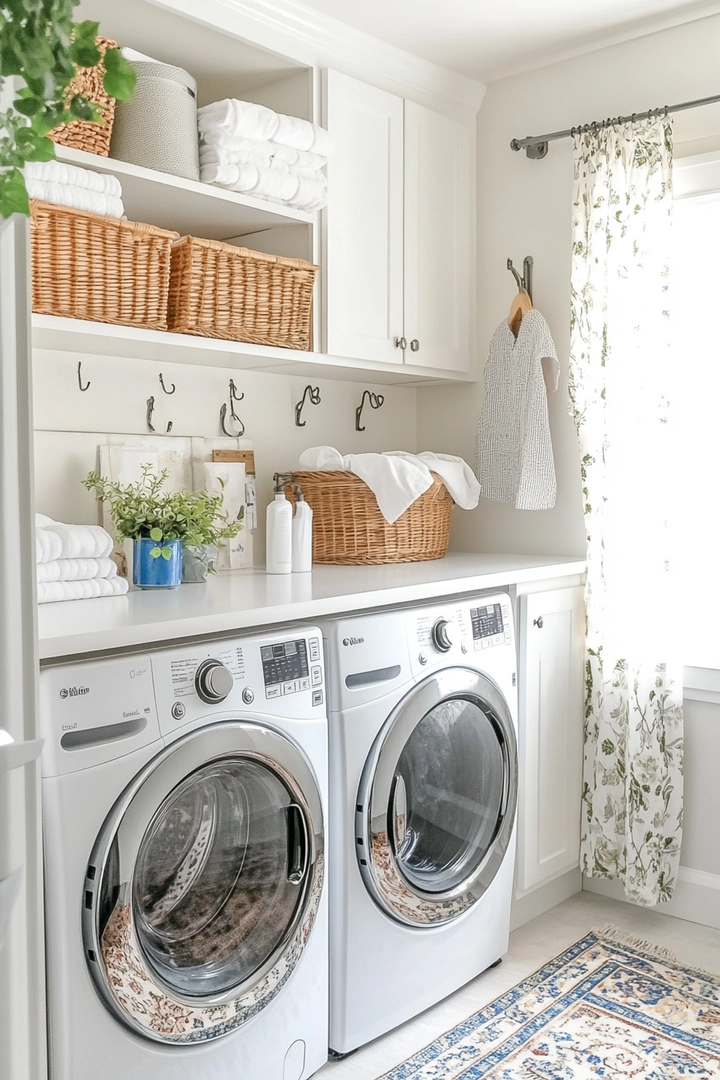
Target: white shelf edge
276,213
105,339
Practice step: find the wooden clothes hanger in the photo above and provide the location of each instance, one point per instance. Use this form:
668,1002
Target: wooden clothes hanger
520,306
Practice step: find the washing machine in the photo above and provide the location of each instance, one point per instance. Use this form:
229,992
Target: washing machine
423,793
184,802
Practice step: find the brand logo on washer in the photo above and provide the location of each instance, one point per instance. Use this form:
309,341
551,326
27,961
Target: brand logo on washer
353,640
74,691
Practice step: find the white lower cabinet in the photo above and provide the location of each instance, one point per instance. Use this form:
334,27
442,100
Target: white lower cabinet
551,631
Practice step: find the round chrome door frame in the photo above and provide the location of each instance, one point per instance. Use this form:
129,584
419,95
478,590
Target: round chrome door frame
381,872
114,954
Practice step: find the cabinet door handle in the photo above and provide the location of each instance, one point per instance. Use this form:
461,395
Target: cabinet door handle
538,622
400,343
415,344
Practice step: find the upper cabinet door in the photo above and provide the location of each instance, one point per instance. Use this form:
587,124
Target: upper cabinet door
363,264
438,242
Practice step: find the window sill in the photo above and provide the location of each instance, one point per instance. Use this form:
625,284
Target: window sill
702,684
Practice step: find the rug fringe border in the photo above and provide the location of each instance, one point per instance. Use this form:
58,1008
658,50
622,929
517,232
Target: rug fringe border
615,936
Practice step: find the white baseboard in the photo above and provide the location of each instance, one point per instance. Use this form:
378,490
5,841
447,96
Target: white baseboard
696,899
540,900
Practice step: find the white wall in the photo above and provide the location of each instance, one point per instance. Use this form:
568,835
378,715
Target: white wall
524,209
70,425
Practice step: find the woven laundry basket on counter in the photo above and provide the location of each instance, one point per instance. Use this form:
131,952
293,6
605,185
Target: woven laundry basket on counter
86,134
86,266
350,530
218,290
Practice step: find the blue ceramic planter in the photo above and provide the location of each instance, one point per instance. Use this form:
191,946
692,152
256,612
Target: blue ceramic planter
160,573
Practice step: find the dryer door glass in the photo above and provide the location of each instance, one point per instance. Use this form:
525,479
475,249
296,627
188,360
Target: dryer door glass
453,775
218,877
437,798
204,883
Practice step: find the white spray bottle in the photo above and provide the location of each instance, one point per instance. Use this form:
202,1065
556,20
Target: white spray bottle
301,535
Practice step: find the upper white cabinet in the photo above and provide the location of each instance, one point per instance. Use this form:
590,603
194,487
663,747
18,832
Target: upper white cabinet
398,245
551,735
364,225
437,239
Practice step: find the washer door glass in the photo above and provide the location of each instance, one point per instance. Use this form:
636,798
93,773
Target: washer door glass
450,784
216,882
437,798
204,883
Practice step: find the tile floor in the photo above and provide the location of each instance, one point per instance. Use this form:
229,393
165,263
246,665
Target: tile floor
530,947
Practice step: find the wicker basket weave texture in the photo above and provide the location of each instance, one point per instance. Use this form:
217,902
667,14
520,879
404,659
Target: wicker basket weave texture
85,134
85,266
349,529
222,291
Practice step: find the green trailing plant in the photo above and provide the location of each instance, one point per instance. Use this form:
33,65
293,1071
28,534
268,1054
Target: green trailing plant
145,510
41,45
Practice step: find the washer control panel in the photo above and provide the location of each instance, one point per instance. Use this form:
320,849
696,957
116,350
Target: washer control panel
491,624
276,674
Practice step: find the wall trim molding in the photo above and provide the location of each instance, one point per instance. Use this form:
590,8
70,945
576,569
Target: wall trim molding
696,899
538,901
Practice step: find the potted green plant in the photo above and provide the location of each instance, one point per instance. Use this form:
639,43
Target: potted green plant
164,524
41,45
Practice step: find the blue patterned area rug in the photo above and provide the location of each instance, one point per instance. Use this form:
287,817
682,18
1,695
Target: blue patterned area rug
609,1007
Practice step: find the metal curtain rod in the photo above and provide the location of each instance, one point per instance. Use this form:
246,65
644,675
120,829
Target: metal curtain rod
536,146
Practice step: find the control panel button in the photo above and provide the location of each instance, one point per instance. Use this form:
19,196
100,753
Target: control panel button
288,688
422,658
316,676
317,698
314,647
273,691
178,710
304,684
443,635
248,696
213,681
463,648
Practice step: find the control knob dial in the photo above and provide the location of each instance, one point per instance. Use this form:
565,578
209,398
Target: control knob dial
213,681
443,635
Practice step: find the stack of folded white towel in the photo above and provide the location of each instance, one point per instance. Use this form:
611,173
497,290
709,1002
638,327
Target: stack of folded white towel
249,148
80,189
397,478
73,562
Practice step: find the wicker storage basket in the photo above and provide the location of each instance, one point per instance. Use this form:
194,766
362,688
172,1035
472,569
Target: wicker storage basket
222,291
348,528
85,134
85,266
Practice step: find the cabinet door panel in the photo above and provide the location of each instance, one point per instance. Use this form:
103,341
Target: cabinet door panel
551,733
438,222
363,264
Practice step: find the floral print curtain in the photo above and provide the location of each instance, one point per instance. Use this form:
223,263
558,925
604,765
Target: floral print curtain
620,375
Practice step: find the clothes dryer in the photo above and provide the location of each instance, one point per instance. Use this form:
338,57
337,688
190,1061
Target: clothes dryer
423,793
184,801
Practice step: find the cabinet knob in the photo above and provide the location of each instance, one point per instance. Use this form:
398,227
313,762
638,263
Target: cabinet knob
415,344
538,622
400,343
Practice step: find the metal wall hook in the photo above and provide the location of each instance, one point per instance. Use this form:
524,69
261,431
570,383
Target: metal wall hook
238,421
314,392
162,383
525,282
376,400
234,396
148,415
79,374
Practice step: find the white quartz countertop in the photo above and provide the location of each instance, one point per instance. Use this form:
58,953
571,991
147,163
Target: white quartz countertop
247,599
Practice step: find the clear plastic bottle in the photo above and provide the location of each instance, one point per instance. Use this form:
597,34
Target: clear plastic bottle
278,542
301,535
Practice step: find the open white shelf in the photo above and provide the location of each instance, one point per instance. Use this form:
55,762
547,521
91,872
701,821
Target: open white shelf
104,339
172,202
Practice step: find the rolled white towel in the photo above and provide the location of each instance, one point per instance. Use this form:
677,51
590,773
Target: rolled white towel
76,569
227,149
311,193
76,198
76,541
251,121
57,172
50,592
278,184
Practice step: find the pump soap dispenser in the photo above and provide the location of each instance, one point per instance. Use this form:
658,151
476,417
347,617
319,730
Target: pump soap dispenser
278,554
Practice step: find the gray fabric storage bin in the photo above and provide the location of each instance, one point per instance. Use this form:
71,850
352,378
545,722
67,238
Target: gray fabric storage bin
157,127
